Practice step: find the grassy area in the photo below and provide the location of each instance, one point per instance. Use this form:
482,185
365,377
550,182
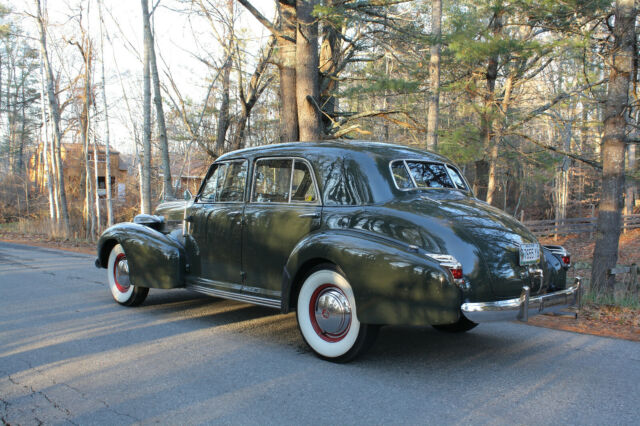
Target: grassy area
624,299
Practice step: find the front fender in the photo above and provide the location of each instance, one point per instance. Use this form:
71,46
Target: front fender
156,260
391,284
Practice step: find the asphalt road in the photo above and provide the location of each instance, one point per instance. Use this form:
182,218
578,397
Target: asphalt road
69,354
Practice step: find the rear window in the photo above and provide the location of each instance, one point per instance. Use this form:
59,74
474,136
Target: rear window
410,174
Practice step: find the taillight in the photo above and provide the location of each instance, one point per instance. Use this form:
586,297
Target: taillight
561,254
450,263
456,272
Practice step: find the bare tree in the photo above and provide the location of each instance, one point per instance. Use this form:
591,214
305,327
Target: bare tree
145,199
248,98
86,51
227,41
54,112
107,148
150,53
45,146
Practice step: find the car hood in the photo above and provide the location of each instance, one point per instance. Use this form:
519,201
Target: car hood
484,239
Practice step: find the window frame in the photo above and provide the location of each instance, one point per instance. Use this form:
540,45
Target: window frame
210,172
446,166
317,202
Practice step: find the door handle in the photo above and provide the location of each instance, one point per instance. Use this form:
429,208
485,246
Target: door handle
311,215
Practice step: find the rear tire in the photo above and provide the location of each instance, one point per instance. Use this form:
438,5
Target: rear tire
462,325
327,319
121,288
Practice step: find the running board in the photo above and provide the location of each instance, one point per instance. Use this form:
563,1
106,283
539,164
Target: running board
256,300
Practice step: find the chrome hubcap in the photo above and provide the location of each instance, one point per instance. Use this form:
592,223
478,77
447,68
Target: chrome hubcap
332,312
121,272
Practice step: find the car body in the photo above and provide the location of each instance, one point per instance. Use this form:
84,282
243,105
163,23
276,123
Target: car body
350,235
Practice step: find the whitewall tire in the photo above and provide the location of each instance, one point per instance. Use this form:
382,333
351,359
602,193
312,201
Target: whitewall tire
122,290
327,317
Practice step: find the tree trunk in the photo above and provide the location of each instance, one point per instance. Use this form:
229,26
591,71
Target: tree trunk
307,84
98,221
54,176
150,52
434,76
631,194
286,62
493,153
605,255
107,148
223,113
284,30
54,111
480,182
145,201
489,111
88,213
45,147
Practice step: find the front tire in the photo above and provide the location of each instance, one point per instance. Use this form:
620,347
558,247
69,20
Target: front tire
327,320
122,290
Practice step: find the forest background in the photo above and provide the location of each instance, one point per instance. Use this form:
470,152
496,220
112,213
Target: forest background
536,101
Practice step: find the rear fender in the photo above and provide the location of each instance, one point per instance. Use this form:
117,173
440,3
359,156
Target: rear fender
391,284
156,260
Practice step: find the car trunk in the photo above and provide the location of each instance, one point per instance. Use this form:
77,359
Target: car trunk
494,273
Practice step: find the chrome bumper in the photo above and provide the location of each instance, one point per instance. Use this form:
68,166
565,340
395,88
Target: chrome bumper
524,306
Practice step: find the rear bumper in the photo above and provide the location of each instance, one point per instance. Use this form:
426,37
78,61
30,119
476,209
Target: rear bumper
524,306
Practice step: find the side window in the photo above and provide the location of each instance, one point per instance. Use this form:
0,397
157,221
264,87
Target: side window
272,181
211,191
302,189
401,175
234,182
430,175
343,183
457,179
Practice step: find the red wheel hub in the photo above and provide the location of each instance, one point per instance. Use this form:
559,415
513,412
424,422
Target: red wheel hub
330,313
121,273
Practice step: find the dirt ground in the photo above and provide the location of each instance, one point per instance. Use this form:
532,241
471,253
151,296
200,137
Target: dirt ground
601,320
42,240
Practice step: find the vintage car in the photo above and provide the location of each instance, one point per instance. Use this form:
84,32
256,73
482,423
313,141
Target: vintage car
350,235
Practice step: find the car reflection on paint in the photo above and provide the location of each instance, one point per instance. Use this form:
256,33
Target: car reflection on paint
349,235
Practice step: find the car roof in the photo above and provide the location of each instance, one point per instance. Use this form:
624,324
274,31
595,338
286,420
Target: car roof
381,149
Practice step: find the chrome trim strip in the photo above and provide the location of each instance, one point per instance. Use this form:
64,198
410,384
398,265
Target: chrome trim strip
265,292
524,306
262,301
213,283
406,167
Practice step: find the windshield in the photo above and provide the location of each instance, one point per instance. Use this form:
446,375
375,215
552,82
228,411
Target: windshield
411,174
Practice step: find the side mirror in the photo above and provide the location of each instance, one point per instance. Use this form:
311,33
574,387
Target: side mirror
187,195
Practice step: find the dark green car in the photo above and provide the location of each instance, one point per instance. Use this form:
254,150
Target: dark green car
350,235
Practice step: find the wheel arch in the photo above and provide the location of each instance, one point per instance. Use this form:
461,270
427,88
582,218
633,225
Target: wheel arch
301,274
104,249
156,260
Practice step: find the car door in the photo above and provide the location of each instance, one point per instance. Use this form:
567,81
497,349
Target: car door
284,207
216,226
